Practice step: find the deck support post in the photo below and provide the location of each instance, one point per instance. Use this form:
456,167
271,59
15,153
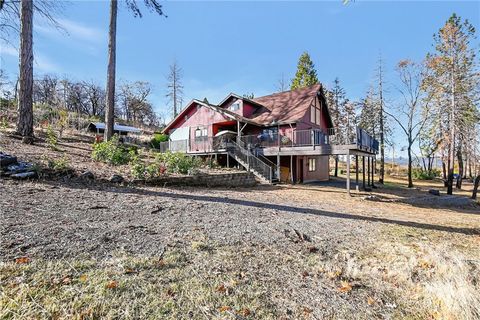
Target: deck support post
373,171
278,166
228,160
291,169
216,157
368,171
356,170
348,172
363,171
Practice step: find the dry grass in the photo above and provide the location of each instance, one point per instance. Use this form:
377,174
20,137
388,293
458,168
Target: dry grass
129,287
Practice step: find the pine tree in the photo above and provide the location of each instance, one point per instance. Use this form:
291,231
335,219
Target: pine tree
454,86
306,74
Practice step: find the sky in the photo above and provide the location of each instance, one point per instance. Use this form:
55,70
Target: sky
240,46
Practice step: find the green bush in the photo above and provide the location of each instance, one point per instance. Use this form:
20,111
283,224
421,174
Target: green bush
52,138
177,162
420,174
61,164
112,152
157,139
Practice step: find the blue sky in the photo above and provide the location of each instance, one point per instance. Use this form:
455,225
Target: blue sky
242,47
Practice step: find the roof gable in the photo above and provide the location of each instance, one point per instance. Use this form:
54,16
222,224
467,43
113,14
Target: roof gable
288,106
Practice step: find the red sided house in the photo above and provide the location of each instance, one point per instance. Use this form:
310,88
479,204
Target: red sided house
287,135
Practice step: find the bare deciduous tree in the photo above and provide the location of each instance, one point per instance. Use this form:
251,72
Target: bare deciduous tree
175,88
413,112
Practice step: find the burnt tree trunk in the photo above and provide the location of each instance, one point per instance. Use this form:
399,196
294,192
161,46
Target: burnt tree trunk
444,170
25,91
336,167
460,168
110,103
475,187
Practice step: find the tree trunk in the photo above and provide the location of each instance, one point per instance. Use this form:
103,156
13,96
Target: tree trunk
410,180
444,171
110,103
460,168
25,92
336,167
475,187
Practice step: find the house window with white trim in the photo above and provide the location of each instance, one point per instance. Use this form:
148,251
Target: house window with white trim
235,106
201,133
312,164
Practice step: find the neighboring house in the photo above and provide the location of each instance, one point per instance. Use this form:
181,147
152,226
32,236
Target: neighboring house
287,135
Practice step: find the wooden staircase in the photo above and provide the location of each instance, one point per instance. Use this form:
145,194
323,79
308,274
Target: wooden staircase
263,171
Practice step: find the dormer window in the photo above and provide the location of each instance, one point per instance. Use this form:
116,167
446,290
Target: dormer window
235,106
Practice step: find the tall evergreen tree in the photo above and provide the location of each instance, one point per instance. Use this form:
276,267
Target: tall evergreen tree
454,86
132,5
306,74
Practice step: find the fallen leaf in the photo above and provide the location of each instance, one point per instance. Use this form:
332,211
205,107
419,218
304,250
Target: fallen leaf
129,271
307,310
112,284
83,278
370,301
224,309
305,274
221,288
67,280
245,312
345,287
170,292
22,260
333,275
425,265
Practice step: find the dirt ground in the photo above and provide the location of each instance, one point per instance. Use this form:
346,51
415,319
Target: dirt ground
270,252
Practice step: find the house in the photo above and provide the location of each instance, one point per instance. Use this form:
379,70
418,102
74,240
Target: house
287,135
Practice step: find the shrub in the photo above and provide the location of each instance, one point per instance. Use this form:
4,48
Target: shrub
157,139
177,162
60,164
420,174
52,138
112,152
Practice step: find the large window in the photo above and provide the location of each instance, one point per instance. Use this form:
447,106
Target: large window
312,164
315,113
201,133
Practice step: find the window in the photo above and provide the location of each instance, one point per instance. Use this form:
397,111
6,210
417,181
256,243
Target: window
312,114
235,106
312,164
201,133
315,114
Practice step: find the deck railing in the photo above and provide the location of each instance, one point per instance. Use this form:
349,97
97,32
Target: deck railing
311,137
297,138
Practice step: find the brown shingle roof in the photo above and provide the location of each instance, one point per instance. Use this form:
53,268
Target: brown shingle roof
285,107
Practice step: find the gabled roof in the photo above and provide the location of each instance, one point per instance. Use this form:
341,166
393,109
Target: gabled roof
225,112
278,108
285,107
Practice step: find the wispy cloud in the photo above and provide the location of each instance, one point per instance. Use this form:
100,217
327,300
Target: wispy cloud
85,37
44,64
7,49
40,61
81,31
